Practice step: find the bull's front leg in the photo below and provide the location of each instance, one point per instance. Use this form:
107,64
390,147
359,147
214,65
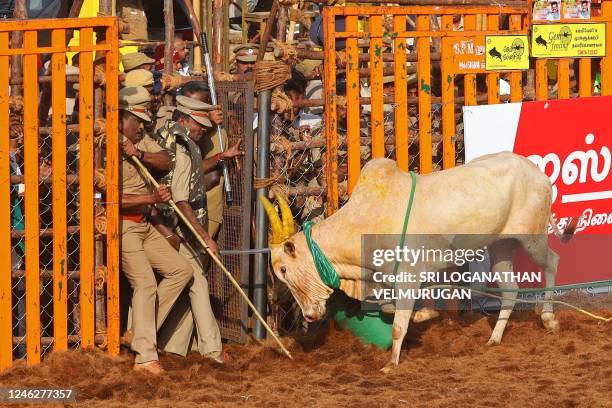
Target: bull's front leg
400,325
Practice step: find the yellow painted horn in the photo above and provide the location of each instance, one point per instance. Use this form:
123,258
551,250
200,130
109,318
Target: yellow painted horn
275,222
288,224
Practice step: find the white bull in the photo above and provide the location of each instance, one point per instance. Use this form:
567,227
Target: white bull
499,194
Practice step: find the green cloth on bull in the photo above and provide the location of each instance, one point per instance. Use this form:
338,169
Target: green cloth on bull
170,136
326,270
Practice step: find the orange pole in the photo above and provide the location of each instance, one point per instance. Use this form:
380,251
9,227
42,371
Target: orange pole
376,86
493,78
541,80
32,224
469,23
424,89
112,191
606,62
331,116
563,73
516,88
401,96
86,193
448,98
353,108
584,78
6,321
60,256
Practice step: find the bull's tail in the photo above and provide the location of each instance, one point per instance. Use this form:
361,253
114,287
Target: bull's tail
567,234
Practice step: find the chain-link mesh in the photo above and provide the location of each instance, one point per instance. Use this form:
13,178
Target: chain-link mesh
45,242
236,99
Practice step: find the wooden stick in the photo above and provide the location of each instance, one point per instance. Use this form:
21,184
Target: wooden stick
148,175
266,35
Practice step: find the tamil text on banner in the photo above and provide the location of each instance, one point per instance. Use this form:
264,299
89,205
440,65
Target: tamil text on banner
570,141
568,40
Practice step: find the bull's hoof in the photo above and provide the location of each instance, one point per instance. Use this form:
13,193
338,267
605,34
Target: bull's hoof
550,323
390,366
495,340
424,314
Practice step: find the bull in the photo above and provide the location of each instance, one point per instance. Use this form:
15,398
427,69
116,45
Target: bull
502,197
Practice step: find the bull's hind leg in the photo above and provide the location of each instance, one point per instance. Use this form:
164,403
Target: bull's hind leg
501,255
548,260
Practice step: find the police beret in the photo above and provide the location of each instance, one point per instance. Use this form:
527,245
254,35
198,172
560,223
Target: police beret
138,77
246,52
135,99
134,60
195,108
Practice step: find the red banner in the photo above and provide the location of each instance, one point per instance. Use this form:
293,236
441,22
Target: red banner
570,141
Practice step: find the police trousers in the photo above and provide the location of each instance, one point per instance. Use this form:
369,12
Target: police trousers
143,249
192,310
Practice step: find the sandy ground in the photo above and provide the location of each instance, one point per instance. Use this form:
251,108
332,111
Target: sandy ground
445,364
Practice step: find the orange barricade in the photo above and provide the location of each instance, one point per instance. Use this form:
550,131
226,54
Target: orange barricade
66,170
433,32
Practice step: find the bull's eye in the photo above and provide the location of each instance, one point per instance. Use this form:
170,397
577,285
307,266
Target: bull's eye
283,270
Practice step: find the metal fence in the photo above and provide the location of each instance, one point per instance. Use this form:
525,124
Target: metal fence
236,99
58,189
420,123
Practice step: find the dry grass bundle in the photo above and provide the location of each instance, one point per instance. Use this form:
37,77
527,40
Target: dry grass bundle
270,74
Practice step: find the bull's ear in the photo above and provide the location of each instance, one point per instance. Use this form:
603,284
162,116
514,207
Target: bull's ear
289,248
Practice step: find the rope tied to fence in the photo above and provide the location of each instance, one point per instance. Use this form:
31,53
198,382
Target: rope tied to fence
270,74
281,103
287,52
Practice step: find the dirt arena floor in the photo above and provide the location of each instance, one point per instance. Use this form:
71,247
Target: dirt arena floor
445,363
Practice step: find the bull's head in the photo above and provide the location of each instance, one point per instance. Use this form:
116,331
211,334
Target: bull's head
292,262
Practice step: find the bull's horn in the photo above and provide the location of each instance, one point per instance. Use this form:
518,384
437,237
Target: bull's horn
288,224
275,222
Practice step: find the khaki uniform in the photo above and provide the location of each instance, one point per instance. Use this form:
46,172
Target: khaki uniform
142,249
193,310
214,196
132,12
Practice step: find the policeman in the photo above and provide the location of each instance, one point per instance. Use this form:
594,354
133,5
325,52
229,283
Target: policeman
211,148
143,247
145,78
180,135
246,56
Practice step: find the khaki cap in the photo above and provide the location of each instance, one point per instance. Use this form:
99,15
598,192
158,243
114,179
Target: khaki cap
246,52
138,77
134,60
195,108
389,79
135,99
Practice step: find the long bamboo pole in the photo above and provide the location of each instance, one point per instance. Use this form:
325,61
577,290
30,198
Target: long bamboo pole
148,175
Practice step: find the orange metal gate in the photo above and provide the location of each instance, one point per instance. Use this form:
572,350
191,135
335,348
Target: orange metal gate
70,184
369,27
